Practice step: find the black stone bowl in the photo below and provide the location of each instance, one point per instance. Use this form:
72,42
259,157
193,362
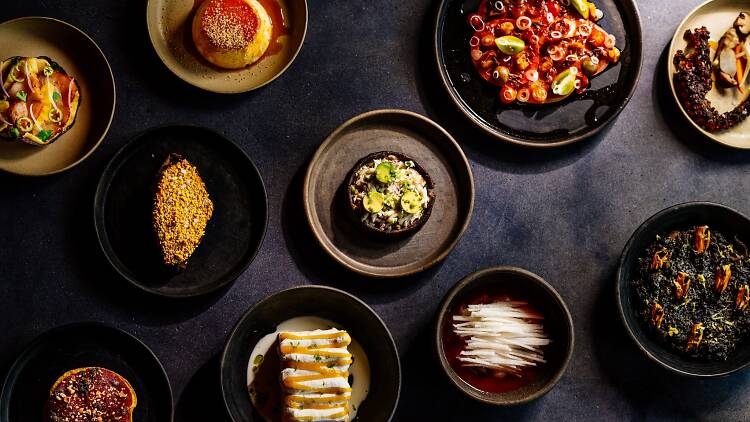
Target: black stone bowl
353,315
574,119
356,212
677,217
518,284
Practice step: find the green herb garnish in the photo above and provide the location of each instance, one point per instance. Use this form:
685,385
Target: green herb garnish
318,358
21,95
56,96
14,132
44,135
258,360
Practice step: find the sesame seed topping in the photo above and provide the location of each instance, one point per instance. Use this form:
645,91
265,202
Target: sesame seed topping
229,24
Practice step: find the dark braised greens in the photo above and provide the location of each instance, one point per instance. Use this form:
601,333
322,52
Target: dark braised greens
691,292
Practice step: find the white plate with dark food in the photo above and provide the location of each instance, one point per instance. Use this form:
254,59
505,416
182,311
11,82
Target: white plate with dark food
86,368
180,211
535,73
310,353
709,70
57,96
227,46
389,193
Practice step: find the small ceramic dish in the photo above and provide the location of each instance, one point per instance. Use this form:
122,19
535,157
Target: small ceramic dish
79,55
550,125
717,16
677,217
327,208
124,199
371,343
517,284
81,345
169,27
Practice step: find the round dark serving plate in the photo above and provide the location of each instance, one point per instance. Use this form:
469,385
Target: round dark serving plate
124,198
356,213
79,345
362,323
572,120
677,217
327,208
518,284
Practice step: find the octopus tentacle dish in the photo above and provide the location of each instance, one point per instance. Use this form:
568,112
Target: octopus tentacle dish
539,52
697,77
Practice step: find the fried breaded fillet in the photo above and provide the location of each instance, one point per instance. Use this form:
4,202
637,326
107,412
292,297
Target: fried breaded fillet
182,209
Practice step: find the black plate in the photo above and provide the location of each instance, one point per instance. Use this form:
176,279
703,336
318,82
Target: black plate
678,217
122,211
82,345
362,323
574,119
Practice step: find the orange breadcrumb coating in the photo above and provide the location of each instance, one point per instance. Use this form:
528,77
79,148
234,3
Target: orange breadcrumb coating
181,210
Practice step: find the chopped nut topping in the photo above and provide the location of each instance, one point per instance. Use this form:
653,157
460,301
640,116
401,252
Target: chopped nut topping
702,239
696,335
721,280
660,259
681,285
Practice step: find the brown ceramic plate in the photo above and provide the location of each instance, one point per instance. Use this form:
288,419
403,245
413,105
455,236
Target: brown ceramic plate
169,23
519,284
717,16
80,57
427,143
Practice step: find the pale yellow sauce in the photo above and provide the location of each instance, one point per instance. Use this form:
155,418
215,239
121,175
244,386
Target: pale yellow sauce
360,368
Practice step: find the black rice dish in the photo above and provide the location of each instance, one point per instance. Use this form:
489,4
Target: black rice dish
390,194
691,293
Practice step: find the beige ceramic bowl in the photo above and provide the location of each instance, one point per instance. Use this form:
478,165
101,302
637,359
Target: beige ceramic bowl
169,26
80,57
717,16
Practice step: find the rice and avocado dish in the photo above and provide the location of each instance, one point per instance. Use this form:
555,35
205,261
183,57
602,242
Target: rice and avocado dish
389,193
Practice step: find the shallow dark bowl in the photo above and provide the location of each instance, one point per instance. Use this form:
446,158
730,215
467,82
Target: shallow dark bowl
518,284
677,217
356,213
124,199
79,345
574,119
364,325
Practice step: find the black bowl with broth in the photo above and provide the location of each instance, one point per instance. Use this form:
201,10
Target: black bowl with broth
731,224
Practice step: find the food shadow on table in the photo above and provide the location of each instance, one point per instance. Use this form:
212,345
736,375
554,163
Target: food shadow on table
318,267
667,109
201,400
649,388
480,146
98,277
143,62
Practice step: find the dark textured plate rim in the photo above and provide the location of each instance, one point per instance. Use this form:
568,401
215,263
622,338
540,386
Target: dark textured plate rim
681,29
152,39
644,227
18,364
102,190
637,53
388,272
114,96
235,333
456,290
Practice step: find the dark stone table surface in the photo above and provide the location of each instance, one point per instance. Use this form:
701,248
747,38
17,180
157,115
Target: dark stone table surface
564,214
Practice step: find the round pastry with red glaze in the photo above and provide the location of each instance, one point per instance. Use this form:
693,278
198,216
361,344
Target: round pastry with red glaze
90,394
232,33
